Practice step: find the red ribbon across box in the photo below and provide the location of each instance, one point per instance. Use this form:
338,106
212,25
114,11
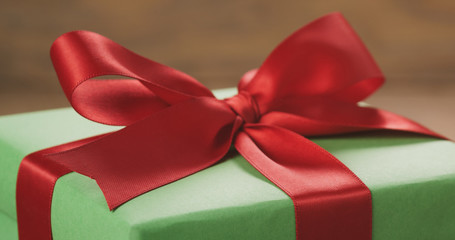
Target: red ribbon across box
310,85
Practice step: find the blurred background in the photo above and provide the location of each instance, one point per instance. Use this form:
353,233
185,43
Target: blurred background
217,41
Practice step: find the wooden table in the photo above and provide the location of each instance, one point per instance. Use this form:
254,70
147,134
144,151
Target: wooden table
216,41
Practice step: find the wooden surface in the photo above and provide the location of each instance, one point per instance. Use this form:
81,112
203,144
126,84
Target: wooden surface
217,41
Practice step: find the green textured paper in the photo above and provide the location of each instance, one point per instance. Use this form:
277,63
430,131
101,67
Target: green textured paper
412,180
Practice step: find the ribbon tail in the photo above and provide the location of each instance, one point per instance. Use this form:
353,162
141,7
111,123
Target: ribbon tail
167,146
317,117
35,184
392,121
129,162
330,201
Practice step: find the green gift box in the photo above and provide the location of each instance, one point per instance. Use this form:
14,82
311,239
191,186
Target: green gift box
411,178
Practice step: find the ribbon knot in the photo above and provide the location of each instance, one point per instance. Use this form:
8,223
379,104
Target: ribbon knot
244,105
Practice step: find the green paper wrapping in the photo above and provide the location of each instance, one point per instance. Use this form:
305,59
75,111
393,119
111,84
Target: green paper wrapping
411,177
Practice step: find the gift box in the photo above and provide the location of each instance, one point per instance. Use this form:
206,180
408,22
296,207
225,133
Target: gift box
411,178
292,155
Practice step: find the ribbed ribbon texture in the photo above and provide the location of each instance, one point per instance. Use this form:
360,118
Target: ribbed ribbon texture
310,85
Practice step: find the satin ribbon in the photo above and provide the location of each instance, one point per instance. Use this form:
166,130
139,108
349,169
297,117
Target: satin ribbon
308,86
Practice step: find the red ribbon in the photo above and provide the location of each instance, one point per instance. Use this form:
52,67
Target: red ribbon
309,86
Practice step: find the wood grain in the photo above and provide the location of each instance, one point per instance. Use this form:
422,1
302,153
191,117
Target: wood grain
217,41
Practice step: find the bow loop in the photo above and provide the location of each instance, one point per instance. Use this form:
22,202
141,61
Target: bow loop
80,57
323,59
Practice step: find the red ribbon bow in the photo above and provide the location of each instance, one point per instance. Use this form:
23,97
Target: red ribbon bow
308,86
